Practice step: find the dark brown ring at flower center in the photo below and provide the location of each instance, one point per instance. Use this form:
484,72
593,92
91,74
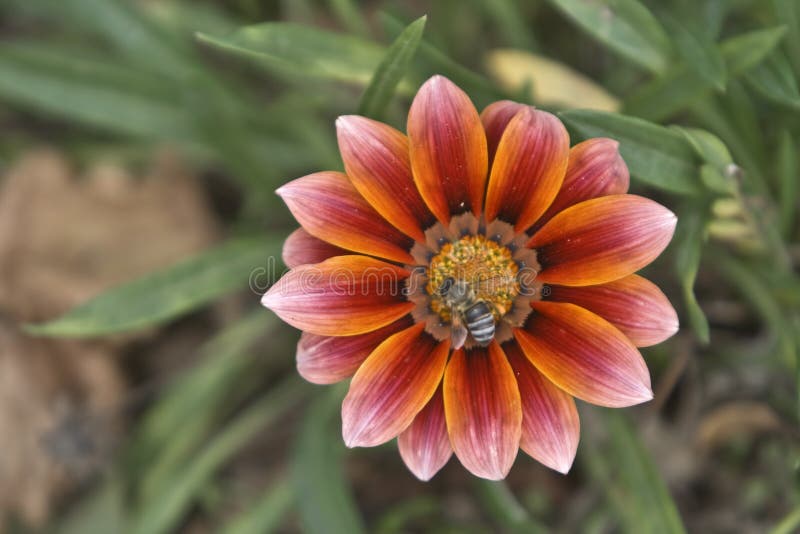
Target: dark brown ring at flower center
492,267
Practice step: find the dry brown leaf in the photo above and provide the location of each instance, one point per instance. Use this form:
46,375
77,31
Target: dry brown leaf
63,240
553,83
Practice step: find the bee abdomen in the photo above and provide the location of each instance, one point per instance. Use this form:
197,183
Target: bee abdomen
480,323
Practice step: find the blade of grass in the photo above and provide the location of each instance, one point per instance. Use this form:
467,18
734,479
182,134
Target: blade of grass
163,512
656,155
633,486
266,512
325,502
788,182
690,243
348,13
625,26
180,421
391,70
504,507
170,293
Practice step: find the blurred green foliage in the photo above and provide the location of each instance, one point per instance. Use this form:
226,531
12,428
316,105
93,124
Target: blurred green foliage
253,88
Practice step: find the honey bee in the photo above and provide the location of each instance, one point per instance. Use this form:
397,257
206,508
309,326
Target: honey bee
469,315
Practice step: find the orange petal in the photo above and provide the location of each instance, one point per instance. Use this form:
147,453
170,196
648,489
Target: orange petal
395,382
528,169
329,359
424,445
595,169
342,296
484,415
448,149
550,424
584,355
633,304
302,248
328,206
376,160
602,240
495,117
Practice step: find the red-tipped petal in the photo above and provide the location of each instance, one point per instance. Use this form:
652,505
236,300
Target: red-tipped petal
329,359
528,168
376,160
495,117
424,445
584,355
484,415
395,382
633,304
448,149
302,248
602,240
595,169
550,424
328,206
342,296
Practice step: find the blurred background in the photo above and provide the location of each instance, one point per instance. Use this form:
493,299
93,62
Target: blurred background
142,387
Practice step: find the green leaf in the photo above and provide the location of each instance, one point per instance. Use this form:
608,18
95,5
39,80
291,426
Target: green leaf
265,514
689,244
625,472
476,85
788,13
774,79
747,50
180,421
699,52
164,511
391,70
788,182
170,293
656,155
324,499
504,507
348,13
288,48
625,26
681,86
97,93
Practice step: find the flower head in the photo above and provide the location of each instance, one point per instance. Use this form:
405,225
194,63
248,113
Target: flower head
473,277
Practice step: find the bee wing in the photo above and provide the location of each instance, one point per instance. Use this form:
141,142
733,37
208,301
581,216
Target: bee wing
458,332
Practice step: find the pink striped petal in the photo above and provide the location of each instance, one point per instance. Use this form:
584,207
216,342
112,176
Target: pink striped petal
342,296
528,168
392,386
328,206
448,149
584,355
602,240
495,117
302,248
330,359
483,411
595,169
424,445
633,304
550,424
377,162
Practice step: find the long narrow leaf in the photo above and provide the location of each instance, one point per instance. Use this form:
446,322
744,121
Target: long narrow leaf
391,70
625,26
325,501
655,155
167,294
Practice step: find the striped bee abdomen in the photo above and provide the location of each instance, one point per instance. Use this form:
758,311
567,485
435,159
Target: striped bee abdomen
480,323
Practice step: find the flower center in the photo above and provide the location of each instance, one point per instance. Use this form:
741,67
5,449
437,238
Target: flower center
469,271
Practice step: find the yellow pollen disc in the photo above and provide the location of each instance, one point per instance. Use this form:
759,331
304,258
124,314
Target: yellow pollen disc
487,267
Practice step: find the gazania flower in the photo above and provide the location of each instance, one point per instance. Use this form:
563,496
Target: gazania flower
473,277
